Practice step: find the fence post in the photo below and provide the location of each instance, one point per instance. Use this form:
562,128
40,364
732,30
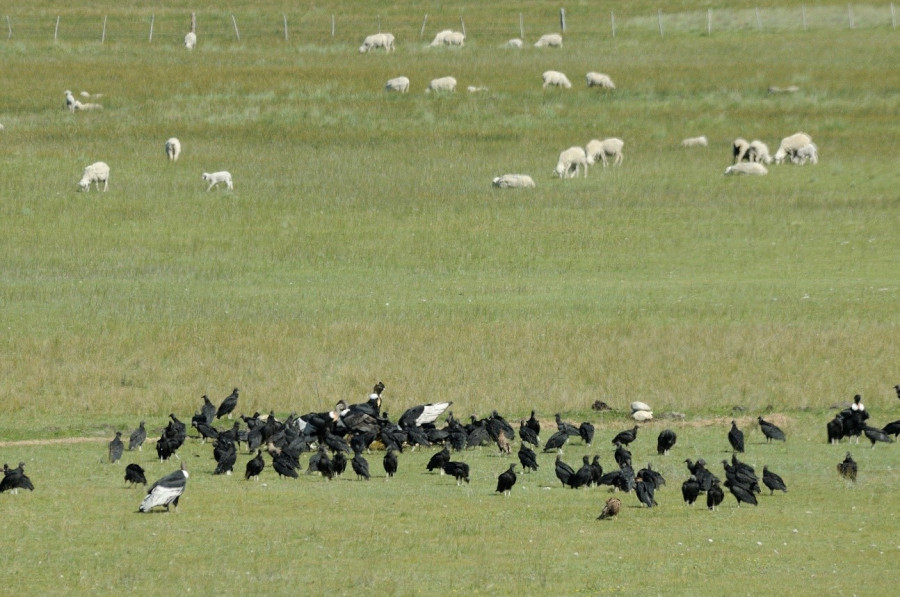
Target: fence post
103,35
152,18
55,30
463,26
562,19
284,18
803,15
522,24
709,21
758,21
422,30
850,15
194,23
9,24
659,20
612,20
893,18
332,26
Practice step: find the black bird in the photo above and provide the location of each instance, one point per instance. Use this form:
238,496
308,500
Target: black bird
438,459
285,465
626,437
134,474
255,466
322,464
225,454
15,479
564,472
116,447
586,431
611,509
527,458
665,441
596,471
166,491
770,430
897,389
582,476
835,429
622,455
644,491
208,410
773,481
228,405
892,428
690,490
166,447
338,463
458,470
876,435
741,493
206,430
423,414
567,428
714,495
527,434
506,480
704,476
360,466
736,438
136,440
390,463
534,425
556,441
848,469
651,476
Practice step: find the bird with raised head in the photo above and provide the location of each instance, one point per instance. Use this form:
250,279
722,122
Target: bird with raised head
736,438
506,480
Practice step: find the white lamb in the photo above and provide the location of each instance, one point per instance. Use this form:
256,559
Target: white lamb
514,181
377,40
190,40
700,141
216,177
173,148
569,162
398,84
556,79
789,146
746,168
549,40
447,84
739,148
807,153
70,101
600,80
515,43
448,37
757,151
94,174
605,149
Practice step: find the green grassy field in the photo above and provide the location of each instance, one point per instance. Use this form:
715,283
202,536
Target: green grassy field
364,242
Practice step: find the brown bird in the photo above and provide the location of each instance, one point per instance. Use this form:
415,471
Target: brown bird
847,468
611,509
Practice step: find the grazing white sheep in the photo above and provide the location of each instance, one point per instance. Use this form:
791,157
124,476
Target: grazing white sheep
605,149
190,40
173,148
700,141
788,89
215,178
789,146
89,96
448,37
739,148
475,89
757,151
514,181
746,168
569,162
447,84
600,80
94,174
377,40
515,43
556,79
807,153
549,40
398,84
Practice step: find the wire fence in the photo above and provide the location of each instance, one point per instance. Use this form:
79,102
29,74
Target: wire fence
322,28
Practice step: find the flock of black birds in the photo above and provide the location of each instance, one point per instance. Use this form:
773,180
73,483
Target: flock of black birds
330,438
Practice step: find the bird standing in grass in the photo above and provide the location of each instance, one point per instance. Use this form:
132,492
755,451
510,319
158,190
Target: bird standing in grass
255,466
15,479
527,458
527,434
665,441
457,470
134,474
506,480
714,495
556,442
736,438
773,481
690,490
611,509
770,430
228,405
847,469
438,459
360,466
167,491
390,463
116,447
137,438
876,435
626,437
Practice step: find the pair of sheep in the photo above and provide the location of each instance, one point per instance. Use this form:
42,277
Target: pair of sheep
549,40
173,150
573,158
73,104
554,78
799,148
751,151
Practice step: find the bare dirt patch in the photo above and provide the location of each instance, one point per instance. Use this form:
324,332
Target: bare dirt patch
50,442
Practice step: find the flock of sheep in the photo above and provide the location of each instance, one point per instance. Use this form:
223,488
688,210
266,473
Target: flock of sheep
751,157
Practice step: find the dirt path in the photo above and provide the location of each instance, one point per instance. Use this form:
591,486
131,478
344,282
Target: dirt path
50,442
